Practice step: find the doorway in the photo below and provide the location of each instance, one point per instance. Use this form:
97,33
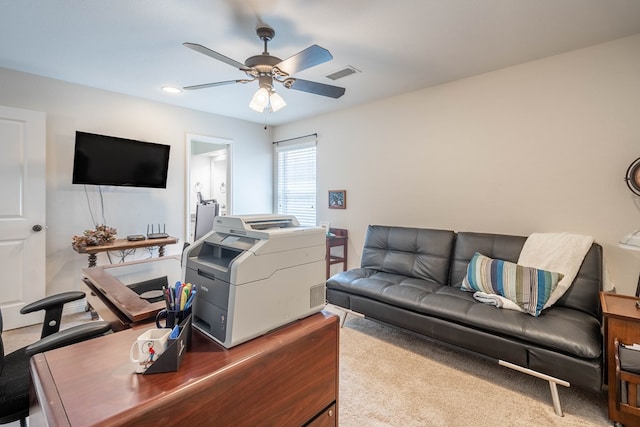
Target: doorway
209,173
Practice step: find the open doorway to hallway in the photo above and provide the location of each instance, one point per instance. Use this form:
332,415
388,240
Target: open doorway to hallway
209,176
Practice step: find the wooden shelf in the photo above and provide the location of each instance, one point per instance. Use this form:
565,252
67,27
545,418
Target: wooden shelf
123,245
338,240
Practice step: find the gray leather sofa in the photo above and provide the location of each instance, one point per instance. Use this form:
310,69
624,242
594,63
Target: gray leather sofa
410,278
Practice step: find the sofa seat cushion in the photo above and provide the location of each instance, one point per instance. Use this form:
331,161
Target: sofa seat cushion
563,329
395,289
558,328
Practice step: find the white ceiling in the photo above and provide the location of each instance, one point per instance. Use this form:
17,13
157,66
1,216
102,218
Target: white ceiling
135,46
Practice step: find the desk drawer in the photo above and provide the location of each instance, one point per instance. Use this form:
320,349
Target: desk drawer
326,418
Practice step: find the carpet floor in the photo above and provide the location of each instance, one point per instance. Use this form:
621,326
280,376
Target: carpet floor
17,338
390,377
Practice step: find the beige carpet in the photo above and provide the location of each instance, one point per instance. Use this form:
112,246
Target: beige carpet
16,338
389,377
393,378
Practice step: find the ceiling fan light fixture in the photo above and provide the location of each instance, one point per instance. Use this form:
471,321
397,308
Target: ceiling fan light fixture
267,69
276,101
260,100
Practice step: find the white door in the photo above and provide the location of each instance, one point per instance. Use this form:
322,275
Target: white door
22,213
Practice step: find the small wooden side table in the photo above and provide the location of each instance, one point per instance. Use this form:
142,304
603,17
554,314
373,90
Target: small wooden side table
123,245
621,322
339,239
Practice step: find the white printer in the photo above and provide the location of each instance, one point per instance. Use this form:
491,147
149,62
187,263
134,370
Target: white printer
255,273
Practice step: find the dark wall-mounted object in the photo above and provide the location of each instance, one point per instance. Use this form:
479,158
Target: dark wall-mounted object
108,160
632,177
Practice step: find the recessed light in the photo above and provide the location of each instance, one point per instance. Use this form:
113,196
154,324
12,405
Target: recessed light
171,89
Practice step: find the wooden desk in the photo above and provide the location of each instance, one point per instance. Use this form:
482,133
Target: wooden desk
110,289
621,321
340,238
123,245
288,377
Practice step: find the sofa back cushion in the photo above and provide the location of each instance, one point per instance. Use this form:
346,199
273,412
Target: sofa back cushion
583,293
413,252
496,246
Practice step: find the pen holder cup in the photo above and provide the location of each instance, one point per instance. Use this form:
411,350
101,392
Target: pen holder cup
170,360
173,317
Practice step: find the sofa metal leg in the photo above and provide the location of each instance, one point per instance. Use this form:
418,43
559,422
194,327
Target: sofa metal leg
346,312
556,399
343,319
553,383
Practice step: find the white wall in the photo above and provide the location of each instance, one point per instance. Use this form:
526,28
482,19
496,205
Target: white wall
219,181
540,147
71,107
200,168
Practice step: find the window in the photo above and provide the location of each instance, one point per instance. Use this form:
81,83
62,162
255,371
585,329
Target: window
296,180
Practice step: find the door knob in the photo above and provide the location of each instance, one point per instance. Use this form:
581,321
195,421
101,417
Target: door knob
37,228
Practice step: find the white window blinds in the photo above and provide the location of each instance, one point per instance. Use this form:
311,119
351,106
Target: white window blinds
296,180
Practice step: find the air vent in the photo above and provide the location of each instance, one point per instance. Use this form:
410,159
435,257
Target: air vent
346,71
317,295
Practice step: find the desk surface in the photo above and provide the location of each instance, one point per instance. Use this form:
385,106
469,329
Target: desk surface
113,281
285,377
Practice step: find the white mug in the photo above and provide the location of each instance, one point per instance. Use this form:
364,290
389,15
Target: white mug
149,346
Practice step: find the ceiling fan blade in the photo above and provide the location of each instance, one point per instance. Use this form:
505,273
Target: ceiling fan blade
316,88
216,55
310,57
206,85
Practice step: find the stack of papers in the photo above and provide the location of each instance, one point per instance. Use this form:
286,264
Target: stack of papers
633,346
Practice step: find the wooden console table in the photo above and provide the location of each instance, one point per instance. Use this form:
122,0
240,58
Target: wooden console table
123,245
288,377
621,322
339,239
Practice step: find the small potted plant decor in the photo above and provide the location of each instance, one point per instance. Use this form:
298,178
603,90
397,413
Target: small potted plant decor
100,236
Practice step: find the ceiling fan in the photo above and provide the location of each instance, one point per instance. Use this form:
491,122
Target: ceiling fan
267,69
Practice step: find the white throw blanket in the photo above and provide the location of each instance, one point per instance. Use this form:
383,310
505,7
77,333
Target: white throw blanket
558,252
496,300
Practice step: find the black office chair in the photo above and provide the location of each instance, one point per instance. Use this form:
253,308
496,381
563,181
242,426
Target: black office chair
14,368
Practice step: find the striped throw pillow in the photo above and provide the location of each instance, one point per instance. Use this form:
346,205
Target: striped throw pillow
528,287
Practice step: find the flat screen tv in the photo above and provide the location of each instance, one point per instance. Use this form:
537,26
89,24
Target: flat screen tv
107,160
